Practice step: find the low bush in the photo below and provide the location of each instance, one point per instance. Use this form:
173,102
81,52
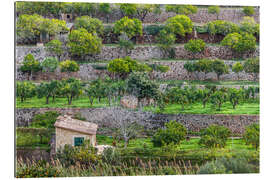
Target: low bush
248,10
195,45
240,42
221,27
174,132
69,66
49,64
214,136
45,120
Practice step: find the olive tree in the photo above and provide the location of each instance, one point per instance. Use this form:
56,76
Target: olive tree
82,43
128,9
54,47
71,88
234,96
218,98
219,67
48,89
126,123
203,95
30,65
25,89
105,9
252,135
92,25
179,25
131,27
49,64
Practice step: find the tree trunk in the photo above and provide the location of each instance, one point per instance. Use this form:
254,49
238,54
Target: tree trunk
53,100
70,100
47,99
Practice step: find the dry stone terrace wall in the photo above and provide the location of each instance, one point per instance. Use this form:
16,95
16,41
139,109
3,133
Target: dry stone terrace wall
176,72
202,16
139,52
102,116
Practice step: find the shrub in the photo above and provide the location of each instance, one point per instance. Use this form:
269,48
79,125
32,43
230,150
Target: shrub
128,9
54,47
125,43
195,45
85,155
131,27
69,66
252,135
45,120
213,10
248,10
81,43
181,9
179,25
250,26
221,27
227,165
237,68
153,29
124,66
214,136
92,25
165,41
111,156
240,42
252,65
174,132
49,64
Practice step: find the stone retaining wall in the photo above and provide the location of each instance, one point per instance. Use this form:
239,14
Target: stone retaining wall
176,72
202,16
103,117
140,52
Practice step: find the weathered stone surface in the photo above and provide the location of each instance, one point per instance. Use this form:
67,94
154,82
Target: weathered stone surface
102,117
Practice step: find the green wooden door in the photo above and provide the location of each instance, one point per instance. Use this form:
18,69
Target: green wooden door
78,141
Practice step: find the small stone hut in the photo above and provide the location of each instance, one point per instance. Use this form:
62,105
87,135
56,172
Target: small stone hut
73,132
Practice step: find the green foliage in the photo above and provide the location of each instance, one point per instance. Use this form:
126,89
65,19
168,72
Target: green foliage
195,45
173,133
248,10
111,156
234,96
81,43
213,10
218,98
37,169
141,86
240,42
128,9
160,68
237,67
45,120
124,66
71,88
250,26
92,25
165,41
49,64
125,43
179,25
221,27
252,65
228,165
131,27
94,90
48,89
143,9
153,29
252,135
30,65
105,9
54,47
214,136
219,67
25,90
85,155
52,26
178,96
27,26
69,66
181,9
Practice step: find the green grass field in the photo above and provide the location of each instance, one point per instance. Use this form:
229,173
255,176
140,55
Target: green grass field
236,144
82,102
224,83
197,108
